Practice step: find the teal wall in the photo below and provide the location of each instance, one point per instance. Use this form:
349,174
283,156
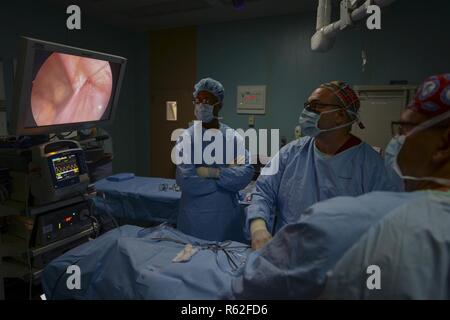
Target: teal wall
414,42
274,51
40,20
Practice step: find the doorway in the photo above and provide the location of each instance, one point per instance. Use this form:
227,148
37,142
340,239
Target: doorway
173,73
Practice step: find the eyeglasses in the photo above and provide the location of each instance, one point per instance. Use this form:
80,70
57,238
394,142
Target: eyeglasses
399,128
317,107
205,101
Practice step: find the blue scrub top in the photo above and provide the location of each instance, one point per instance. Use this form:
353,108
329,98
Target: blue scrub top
209,208
306,176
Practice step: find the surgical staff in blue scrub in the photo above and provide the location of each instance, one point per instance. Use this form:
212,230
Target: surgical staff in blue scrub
209,207
411,245
329,162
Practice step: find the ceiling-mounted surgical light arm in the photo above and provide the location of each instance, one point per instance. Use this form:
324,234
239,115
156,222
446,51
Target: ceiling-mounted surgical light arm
323,39
323,14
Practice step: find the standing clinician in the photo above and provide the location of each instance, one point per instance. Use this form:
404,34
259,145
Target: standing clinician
209,207
327,163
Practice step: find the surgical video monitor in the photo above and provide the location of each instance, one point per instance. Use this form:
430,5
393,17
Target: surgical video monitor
60,88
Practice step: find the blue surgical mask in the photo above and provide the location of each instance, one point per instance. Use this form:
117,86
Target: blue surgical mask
204,112
309,122
391,153
396,144
390,159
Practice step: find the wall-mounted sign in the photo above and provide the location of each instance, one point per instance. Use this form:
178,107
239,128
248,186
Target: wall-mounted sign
251,99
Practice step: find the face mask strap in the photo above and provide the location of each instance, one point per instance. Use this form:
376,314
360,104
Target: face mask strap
330,111
309,115
429,123
356,119
402,138
441,181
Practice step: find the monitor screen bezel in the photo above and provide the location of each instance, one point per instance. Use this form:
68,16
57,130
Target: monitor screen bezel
23,86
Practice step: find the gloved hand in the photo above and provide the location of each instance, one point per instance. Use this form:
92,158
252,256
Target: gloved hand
208,172
260,235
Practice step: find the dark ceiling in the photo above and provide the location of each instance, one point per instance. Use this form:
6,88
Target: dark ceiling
143,15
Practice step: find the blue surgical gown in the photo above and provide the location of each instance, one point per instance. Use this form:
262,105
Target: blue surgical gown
295,263
305,177
411,247
209,208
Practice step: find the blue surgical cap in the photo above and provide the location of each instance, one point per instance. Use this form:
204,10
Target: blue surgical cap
210,85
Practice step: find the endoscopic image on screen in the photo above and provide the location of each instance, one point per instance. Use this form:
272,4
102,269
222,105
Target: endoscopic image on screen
69,89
